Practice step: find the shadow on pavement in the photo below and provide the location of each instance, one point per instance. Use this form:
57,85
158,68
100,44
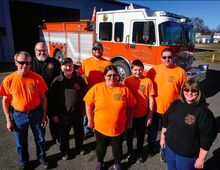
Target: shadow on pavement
211,85
214,162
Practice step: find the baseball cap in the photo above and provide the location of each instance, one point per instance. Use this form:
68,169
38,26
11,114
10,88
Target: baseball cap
66,60
97,45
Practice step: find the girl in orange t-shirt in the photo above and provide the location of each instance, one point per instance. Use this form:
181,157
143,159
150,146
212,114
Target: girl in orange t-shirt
109,108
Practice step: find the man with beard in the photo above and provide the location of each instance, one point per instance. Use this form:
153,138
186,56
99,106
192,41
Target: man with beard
48,68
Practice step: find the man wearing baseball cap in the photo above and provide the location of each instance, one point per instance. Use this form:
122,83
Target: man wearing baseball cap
93,69
67,92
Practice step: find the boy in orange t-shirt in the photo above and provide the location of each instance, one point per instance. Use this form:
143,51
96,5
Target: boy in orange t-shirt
143,91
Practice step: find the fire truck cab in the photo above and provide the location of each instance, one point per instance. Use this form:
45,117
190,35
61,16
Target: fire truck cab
126,35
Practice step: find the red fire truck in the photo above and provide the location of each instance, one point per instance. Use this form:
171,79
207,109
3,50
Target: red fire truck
126,35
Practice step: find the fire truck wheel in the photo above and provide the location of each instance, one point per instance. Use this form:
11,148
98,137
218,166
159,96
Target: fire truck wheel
123,68
59,56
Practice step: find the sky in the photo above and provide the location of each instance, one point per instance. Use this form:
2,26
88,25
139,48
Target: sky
209,11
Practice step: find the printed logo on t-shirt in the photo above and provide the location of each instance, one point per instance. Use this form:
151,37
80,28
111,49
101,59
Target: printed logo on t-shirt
142,88
50,65
171,79
76,86
31,86
117,97
101,68
190,119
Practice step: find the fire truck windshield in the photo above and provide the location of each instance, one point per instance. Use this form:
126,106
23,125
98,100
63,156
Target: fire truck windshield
172,33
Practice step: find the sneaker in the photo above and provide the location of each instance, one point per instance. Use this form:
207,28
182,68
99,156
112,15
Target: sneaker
100,166
82,152
117,167
44,163
141,159
162,155
21,167
65,157
130,157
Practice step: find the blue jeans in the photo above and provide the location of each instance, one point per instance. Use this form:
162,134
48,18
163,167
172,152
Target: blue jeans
22,121
177,162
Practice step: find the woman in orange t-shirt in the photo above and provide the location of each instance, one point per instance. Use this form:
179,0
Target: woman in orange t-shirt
109,108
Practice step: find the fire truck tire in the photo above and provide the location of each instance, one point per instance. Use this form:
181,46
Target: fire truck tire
123,68
59,56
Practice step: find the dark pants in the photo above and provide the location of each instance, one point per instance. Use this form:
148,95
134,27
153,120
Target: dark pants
140,128
22,121
67,121
54,129
102,143
153,129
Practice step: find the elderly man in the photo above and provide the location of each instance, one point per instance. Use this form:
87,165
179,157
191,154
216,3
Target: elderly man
48,68
25,104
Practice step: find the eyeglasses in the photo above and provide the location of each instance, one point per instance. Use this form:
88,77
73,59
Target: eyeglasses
41,50
23,62
167,57
112,75
192,90
96,49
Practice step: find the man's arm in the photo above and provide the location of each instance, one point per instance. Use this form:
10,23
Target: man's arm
6,104
43,98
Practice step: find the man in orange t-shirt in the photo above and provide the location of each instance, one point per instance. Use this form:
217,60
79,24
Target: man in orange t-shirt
143,91
24,90
93,69
168,79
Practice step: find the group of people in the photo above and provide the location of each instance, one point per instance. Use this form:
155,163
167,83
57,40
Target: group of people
112,109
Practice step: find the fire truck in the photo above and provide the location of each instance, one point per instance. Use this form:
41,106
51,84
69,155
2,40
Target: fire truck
126,35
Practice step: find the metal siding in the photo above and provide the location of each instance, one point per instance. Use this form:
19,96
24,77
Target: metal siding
72,46
57,37
86,45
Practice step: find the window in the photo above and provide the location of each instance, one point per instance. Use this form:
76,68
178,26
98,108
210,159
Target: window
144,33
105,31
171,33
119,27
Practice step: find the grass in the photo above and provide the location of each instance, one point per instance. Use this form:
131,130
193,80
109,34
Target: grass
206,56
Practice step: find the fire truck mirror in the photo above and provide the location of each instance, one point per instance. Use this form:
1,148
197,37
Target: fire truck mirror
146,31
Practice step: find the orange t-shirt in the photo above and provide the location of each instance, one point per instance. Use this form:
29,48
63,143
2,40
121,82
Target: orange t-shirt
141,88
110,107
24,91
93,69
167,85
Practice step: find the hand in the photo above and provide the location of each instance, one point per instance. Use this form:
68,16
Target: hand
91,124
199,164
10,126
162,143
55,119
148,122
44,121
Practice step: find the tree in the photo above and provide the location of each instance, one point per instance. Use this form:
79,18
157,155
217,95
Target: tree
200,26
